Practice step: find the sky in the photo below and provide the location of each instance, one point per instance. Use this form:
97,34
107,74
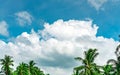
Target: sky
53,32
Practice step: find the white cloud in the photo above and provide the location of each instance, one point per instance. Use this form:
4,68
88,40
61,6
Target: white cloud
24,18
55,47
69,30
3,28
58,71
97,4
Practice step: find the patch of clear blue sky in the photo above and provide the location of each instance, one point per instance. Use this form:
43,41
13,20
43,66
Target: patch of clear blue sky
49,11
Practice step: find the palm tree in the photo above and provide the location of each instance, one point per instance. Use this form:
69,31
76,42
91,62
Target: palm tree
6,63
22,69
116,63
88,67
108,70
34,70
31,67
38,71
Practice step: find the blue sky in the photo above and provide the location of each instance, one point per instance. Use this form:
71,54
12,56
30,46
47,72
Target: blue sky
51,31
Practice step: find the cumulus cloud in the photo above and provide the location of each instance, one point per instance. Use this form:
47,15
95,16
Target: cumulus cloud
55,47
24,18
69,30
3,28
97,4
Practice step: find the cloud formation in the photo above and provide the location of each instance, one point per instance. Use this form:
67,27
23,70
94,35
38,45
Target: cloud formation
4,28
97,4
24,18
55,47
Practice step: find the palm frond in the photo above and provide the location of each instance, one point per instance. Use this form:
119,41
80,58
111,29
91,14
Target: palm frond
112,62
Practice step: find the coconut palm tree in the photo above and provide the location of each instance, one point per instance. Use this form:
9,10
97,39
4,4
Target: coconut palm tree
88,67
22,69
108,70
31,67
116,63
38,71
34,70
6,63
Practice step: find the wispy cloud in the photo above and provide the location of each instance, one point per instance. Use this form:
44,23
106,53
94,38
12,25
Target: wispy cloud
24,18
59,42
97,4
4,28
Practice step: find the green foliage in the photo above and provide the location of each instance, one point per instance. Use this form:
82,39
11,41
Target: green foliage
21,69
108,70
6,63
88,67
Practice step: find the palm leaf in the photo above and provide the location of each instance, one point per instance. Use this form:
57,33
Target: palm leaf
112,61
